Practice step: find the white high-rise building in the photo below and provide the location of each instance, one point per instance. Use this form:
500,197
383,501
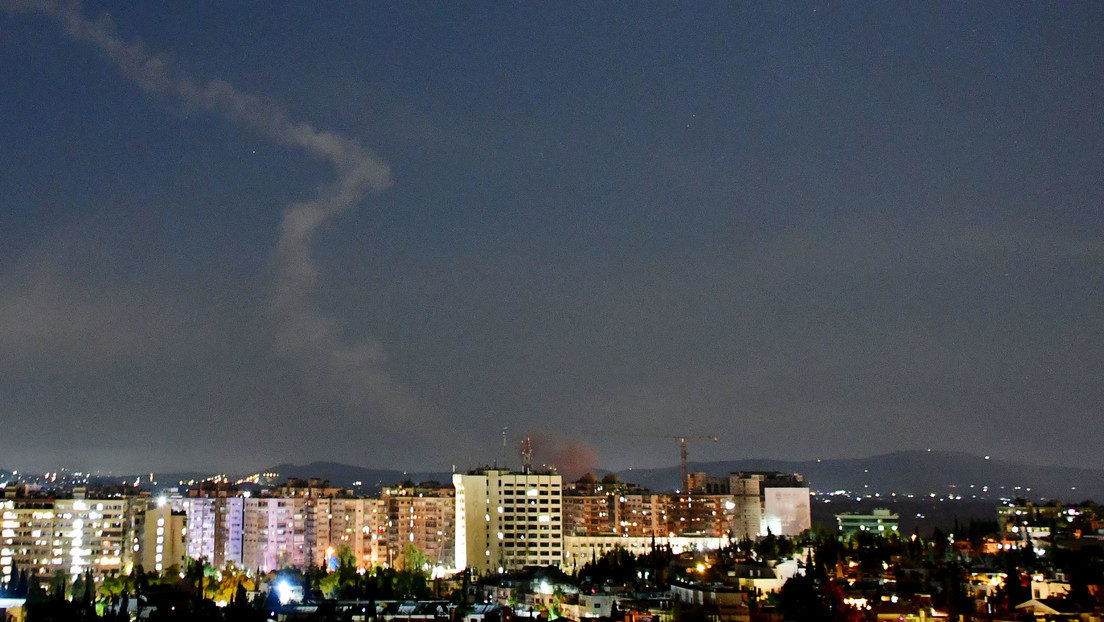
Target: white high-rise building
505,521
768,502
278,533
215,528
269,533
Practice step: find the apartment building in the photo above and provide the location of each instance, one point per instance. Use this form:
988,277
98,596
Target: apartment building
44,536
162,538
505,520
424,516
642,514
360,524
296,529
610,507
768,502
587,515
698,515
215,528
278,532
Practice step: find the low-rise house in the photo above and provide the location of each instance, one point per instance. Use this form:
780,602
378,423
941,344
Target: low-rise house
698,594
486,612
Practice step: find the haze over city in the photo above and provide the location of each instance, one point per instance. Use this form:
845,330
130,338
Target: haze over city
239,234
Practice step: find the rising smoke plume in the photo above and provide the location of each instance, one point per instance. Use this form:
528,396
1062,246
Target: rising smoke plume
571,457
350,372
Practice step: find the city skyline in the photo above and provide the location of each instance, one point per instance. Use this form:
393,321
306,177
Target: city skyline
246,234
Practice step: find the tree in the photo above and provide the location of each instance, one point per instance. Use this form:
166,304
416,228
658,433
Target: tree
231,579
35,591
802,599
124,608
88,596
10,587
201,576
767,548
329,584
953,592
344,579
555,610
412,580
76,591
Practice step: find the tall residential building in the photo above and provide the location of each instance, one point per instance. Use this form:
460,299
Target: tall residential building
642,514
73,536
768,502
278,533
163,538
335,525
360,524
215,528
698,515
423,516
505,521
269,533
371,549
612,507
587,515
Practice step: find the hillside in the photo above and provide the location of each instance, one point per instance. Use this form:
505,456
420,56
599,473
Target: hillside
909,472
918,473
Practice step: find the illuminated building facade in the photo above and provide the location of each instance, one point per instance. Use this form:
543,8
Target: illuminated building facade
505,521
880,521
269,533
163,538
768,502
215,528
359,524
335,525
422,516
698,515
372,547
68,535
642,514
587,515
610,507
278,533
786,510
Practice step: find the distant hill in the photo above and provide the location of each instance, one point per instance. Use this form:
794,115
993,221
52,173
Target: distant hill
909,472
371,481
918,473
161,479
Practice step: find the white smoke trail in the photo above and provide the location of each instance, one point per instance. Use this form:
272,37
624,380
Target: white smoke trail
351,372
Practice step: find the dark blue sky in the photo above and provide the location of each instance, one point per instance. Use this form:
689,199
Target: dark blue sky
234,234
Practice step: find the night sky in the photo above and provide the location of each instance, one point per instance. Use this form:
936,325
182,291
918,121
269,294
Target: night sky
234,234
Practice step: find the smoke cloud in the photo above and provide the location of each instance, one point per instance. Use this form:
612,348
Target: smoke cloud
351,373
571,457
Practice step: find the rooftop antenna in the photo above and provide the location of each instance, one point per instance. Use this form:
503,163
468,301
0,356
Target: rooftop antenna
527,455
504,428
